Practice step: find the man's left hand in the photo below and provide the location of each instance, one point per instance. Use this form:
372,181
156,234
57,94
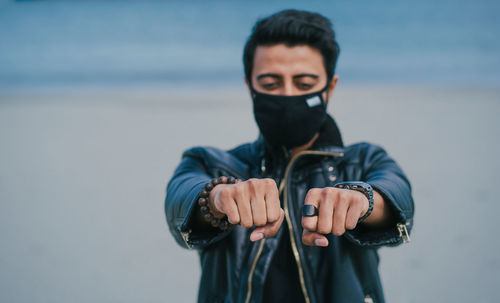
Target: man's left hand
339,209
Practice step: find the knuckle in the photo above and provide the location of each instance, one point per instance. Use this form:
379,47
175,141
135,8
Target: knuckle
253,182
314,191
350,225
324,227
338,231
307,224
259,221
273,216
241,190
269,182
331,190
246,223
342,194
328,193
233,218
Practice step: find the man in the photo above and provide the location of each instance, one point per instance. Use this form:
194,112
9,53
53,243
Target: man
304,220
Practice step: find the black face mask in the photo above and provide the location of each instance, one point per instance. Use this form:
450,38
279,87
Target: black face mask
289,121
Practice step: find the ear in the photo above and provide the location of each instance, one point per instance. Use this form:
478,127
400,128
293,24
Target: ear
331,87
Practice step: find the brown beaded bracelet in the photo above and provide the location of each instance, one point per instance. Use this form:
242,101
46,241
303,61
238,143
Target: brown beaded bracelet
208,215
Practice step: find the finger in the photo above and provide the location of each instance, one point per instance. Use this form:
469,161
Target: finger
230,208
244,208
353,214
268,230
312,198
326,206
218,196
339,214
224,204
314,239
272,201
258,211
256,191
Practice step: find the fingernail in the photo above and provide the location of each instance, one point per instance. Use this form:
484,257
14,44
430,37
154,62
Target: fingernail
258,236
321,242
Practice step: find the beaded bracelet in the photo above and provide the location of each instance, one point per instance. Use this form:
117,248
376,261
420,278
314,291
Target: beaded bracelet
208,215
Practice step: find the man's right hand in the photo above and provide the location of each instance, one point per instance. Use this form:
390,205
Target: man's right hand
248,203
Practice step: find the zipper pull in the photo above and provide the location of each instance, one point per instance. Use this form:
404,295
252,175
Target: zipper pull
403,232
263,166
185,236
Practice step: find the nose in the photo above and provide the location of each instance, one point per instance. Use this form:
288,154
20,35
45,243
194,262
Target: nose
288,89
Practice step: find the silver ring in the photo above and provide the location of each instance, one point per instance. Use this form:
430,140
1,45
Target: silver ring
309,210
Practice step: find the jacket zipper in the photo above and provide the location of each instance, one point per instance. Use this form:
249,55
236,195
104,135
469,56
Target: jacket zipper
288,219
290,228
252,270
403,232
259,250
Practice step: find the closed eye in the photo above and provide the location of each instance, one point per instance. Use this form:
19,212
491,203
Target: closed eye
305,86
269,86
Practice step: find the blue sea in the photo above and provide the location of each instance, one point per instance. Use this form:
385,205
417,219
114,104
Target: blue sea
190,43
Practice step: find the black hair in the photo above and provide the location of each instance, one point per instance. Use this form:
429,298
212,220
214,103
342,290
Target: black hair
293,27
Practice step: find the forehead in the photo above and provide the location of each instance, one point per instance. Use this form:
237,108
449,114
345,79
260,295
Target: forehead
285,60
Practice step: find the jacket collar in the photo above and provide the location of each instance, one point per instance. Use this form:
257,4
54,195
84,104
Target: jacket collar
329,135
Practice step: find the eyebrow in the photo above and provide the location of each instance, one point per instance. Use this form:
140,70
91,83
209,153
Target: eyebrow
278,76
306,75
268,75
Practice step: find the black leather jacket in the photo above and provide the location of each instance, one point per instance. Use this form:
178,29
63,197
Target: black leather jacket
234,268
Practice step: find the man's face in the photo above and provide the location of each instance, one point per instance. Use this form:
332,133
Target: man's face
283,70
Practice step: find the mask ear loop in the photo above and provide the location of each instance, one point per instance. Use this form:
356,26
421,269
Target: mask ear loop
325,89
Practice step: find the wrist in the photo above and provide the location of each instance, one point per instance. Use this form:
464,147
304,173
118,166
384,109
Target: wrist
208,209
212,198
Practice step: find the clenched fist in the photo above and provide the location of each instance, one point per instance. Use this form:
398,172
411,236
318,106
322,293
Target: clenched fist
254,202
339,209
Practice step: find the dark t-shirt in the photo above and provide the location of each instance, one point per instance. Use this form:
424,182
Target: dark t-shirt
282,282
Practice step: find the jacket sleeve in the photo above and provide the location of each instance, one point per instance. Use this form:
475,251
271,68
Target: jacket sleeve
183,190
387,178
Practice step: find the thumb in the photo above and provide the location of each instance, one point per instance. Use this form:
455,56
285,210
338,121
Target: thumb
268,230
312,238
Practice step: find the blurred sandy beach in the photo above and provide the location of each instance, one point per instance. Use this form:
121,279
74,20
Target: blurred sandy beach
83,177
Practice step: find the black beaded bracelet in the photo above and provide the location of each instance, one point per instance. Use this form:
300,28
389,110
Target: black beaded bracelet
208,215
363,188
